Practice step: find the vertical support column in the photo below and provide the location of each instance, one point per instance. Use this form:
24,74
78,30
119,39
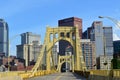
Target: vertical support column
48,51
77,49
72,63
74,52
48,61
58,67
52,52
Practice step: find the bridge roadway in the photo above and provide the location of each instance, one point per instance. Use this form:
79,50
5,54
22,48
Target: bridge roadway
60,76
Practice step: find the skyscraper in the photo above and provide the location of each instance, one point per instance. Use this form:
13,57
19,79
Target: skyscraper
97,36
69,22
107,31
116,47
86,34
4,39
29,37
88,51
102,36
29,48
72,22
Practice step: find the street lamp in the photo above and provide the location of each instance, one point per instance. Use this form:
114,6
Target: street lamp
117,22
100,17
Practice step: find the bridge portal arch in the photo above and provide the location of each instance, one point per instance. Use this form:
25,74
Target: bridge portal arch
65,46
69,34
53,35
66,67
55,52
65,59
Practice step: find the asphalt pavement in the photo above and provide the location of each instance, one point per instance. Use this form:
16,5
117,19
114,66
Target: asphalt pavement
60,76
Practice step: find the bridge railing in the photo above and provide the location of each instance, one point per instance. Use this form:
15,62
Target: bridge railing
116,73
110,73
83,73
101,74
11,73
23,74
38,73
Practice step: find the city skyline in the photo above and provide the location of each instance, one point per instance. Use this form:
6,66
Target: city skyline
33,16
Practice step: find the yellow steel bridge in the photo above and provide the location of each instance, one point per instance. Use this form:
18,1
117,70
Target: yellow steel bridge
76,60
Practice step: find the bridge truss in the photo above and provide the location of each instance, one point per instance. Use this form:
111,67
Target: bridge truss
54,35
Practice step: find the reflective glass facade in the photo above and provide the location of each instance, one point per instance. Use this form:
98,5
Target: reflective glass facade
4,37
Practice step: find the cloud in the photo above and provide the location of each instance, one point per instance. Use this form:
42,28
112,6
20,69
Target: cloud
115,37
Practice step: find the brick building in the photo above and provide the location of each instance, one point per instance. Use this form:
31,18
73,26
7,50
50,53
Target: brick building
69,22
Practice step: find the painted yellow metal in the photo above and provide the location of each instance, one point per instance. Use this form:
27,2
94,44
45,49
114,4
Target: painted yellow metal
73,38
116,73
75,42
11,78
10,73
76,59
26,75
99,72
63,59
39,59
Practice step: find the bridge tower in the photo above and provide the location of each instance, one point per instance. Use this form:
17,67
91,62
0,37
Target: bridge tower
54,35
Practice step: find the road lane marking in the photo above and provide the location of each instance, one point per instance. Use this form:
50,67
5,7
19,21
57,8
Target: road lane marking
58,77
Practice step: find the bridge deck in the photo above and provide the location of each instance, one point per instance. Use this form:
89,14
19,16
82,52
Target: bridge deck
59,76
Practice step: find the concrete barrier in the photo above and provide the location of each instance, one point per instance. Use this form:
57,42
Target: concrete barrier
97,77
100,74
38,73
11,78
83,73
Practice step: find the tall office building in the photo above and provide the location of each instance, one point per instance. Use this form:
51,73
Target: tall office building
28,52
108,40
29,37
87,33
97,36
29,48
88,50
102,36
4,37
72,22
116,45
69,22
